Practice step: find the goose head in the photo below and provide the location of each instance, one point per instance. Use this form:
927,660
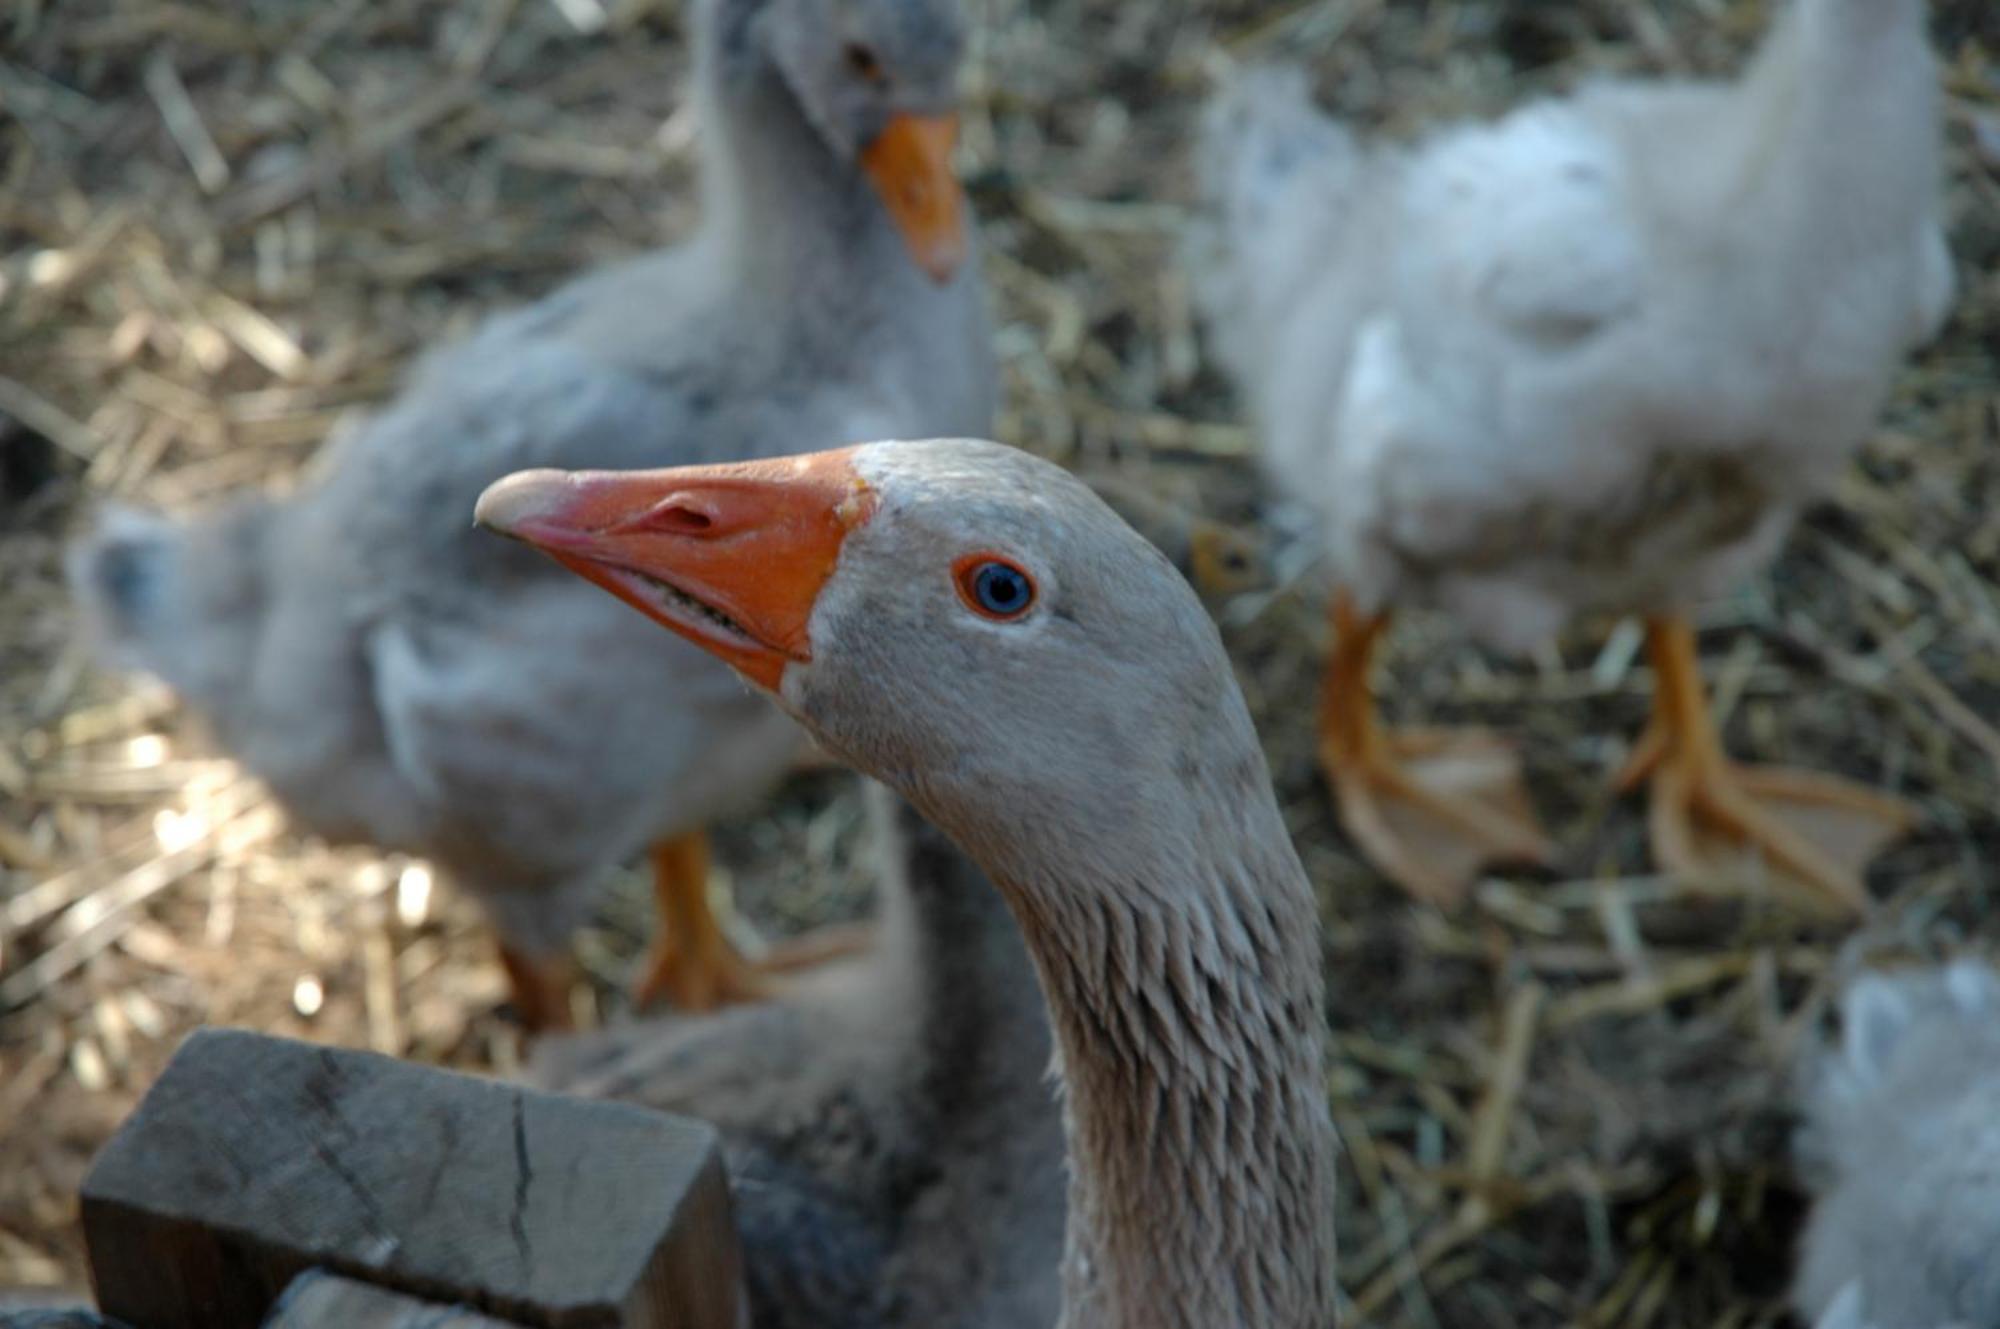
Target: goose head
877,80
966,622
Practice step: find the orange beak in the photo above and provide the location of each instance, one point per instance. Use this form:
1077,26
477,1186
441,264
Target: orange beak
731,557
910,165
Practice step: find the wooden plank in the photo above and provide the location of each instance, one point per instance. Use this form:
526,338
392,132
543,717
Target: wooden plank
42,1299
254,1159
319,1300
48,1308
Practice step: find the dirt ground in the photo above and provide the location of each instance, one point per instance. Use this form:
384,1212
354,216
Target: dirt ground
1564,1104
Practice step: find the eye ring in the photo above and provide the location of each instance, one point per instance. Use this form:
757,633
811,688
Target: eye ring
861,58
994,587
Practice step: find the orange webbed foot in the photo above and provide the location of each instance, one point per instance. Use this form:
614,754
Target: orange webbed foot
1713,820
1431,807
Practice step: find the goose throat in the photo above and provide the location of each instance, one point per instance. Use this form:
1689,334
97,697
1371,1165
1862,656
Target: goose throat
1187,1023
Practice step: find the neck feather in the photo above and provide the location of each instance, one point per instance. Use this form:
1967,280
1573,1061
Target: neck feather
780,209
1836,117
1829,58
1184,988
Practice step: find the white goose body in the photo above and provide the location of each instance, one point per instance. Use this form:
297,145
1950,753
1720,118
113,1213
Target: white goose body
1595,355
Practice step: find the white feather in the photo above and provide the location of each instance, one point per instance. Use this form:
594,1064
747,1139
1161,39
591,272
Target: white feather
1595,355
1901,1145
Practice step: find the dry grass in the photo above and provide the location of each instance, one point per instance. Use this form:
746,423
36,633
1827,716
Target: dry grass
1562,1106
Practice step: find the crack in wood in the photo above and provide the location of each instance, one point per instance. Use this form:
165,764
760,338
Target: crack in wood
524,1175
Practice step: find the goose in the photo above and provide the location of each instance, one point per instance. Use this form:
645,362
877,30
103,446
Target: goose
887,1122
1220,560
974,628
1900,1142
895,1152
1591,358
374,661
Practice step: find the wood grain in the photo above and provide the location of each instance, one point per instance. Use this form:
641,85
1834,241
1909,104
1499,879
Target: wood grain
253,1159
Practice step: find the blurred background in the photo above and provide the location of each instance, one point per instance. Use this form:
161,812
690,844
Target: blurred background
223,227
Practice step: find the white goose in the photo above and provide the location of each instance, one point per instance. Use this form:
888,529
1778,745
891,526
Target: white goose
1595,356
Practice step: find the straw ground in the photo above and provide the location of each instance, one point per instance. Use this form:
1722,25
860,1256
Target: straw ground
1564,1105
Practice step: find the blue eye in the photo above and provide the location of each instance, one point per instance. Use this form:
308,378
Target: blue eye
1002,590
995,587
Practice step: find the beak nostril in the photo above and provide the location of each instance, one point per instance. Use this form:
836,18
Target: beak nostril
678,515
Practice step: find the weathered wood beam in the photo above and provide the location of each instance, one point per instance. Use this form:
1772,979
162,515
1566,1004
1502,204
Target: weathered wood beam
25,1313
253,1159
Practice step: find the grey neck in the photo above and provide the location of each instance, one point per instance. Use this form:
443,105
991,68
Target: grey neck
782,212
983,1031
1183,982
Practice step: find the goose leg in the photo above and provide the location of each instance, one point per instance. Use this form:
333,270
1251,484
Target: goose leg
692,964
1430,807
538,990
1709,817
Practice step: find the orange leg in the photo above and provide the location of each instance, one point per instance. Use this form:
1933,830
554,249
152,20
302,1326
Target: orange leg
1430,807
538,991
692,963
1709,817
